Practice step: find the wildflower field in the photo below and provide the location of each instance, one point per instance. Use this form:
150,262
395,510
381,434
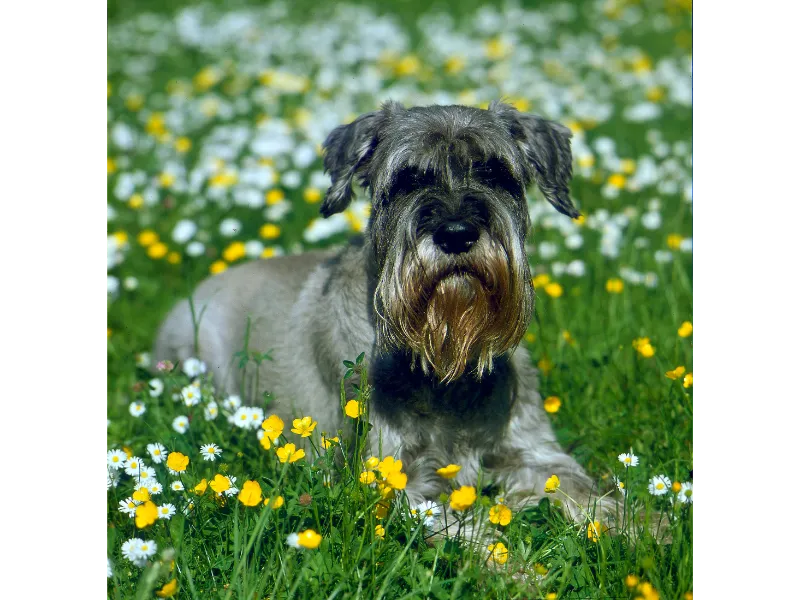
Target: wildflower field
216,114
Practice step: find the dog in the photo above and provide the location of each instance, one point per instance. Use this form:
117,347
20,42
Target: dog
437,293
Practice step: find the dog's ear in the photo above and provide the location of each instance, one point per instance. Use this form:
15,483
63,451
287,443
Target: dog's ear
546,145
347,149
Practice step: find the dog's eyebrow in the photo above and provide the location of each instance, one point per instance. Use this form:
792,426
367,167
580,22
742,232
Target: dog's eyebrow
410,178
495,173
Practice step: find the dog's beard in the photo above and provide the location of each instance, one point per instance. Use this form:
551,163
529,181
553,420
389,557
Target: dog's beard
451,310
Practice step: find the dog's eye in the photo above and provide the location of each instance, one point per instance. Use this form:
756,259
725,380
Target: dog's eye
410,179
496,175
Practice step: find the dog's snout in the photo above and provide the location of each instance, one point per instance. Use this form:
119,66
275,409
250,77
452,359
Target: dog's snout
455,237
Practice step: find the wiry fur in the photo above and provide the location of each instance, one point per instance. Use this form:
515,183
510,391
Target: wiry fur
440,330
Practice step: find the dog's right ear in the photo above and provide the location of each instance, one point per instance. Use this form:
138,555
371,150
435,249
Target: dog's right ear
347,150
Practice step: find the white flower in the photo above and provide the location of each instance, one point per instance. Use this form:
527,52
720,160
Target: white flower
256,416
230,227
211,411
428,511
547,250
156,387
183,231
112,285
157,452
133,465
177,486
112,479
195,248
143,360
233,490
576,268
629,459
573,241
116,458
644,111
254,248
137,409
210,452
129,548
130,283
154,487
686,245
145,473
180,424
651,220
142,551
109,569
165,511
291,179
620,485
191,395
194,367
659,485
291,540
128,506
232,402
686,495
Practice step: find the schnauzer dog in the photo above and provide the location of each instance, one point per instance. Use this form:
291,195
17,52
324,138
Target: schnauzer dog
438,294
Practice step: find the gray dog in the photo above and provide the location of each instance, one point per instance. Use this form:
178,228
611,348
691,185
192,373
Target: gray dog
438,294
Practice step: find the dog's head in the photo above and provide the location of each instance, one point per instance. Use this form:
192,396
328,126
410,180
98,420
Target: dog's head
449,221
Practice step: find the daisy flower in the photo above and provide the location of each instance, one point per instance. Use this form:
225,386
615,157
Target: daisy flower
180,424
153,487
428,511
137,409
112,479
109,568
156,387
241,418
157,452
232,403
116,458
129,548
191,395
128,506
177,486
133,465
210,452
620,485
292,540
659,485
143,551
211,411
686,495
165,511
194,367
629,459
256,416
145,473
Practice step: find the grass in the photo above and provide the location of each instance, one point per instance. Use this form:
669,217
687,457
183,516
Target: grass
614,399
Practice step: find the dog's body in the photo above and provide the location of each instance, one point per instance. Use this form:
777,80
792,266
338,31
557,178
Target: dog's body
438,295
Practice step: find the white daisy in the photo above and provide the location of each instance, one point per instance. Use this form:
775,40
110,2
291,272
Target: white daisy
157,452
130,283
230,227
256,415
629,459
659,485
109,568
241,418
116,458
180,424
143,360
191,395
153,487
291,540
210,452
112,479
195,248
620,485
156,387
686,495
428,511
128,507
142,551
137,409
233,490
145,473
177,486
211,411
194,367
133,465
165,511
232,403
129,548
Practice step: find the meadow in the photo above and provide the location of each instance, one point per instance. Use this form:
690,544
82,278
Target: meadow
216,113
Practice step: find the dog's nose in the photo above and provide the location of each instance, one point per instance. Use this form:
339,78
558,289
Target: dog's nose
455,237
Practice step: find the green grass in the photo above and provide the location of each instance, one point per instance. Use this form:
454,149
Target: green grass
613,398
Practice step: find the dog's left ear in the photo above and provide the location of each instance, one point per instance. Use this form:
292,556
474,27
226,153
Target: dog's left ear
546,145
347,149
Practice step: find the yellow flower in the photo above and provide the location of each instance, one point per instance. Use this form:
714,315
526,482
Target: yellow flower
273,427
389,465
201,487
676,372
372,462
545,366
674,241
169,589
142,494
627,166
643,347
157,251
685,330
177,461
554,290
454,64
647,591
688,380
166,180
250,494
173,258
136,201
274,503
218,266
552,404
463,498
268,253
148,237
380,531
617,180
353,409
328,442
568,337
224,179
496,49
449,471
312,195
539,569
112,166
183,145
397,480
303,427
499,553
155,124
274,197
146,514
541,280
290,452
234,252
631,580
688,596
595,530
676,487
550,596
500,514
614,286
367,477
530,338
552,484
309,539
381,510
220,483
269,231
408,65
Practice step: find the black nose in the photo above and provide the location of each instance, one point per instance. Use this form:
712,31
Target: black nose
456,237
